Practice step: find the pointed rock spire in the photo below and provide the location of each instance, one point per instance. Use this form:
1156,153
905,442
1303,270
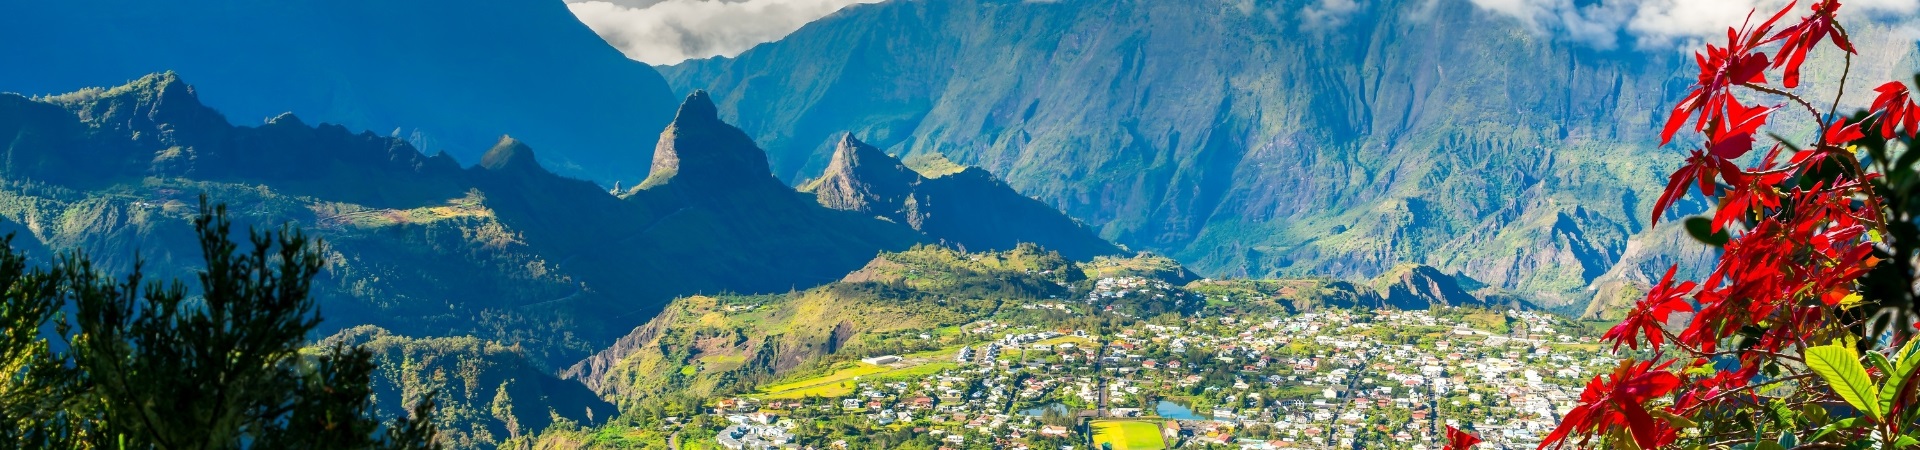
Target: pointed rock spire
701,151
510,155
868,165
698,106
862,178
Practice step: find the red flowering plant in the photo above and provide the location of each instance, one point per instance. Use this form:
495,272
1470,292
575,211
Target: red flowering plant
1802,335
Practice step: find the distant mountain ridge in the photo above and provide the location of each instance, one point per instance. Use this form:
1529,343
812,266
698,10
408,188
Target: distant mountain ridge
444,74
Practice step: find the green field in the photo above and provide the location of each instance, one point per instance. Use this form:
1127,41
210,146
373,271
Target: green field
1128,434
835,384
841,382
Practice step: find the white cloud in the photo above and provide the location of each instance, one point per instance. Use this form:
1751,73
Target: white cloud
1663,23
671,31
1328,13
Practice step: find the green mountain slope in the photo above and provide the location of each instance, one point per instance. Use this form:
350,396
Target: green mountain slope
705,345
1245,141
965,207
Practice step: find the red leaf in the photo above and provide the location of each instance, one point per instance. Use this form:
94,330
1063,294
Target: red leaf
1804,36
1460,440
1674,121
1676,187
1896,108
1640,424
1575,418
1841,133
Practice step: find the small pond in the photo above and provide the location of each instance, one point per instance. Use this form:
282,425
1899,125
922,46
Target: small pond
1176,411
1042,410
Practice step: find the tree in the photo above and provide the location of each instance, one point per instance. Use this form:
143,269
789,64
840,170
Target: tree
502,409
1802,335
143,364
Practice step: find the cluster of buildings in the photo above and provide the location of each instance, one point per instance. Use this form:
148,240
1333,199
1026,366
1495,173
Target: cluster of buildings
755,432
1328,379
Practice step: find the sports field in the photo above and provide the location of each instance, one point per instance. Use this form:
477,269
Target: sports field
1128,435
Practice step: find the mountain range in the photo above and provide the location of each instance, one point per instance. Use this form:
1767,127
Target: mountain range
422,246
443,74
1246,140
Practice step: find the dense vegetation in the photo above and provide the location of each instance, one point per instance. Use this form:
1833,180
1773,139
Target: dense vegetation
486,393
95,361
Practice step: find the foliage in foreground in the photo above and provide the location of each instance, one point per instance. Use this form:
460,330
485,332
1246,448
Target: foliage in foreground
1803,334
96,362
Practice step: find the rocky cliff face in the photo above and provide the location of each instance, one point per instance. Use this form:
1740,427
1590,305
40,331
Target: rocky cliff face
1422,287
864,179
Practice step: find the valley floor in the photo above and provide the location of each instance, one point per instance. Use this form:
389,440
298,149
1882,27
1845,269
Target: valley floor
1336,378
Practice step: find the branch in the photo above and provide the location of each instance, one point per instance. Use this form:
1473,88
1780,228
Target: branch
1844,74
1717,397
1817,118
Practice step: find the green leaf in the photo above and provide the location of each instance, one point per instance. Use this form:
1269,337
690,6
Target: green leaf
1814,413
1906,362
1837,425
1840,366
1905,441
1676,420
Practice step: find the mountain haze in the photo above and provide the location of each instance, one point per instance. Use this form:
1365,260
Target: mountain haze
446,75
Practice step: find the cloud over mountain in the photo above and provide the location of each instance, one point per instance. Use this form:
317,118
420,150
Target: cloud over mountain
670,31
1660,23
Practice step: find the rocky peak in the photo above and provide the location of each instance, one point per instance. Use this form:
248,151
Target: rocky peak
159,110
510,155
1421,287
862,178
700,150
